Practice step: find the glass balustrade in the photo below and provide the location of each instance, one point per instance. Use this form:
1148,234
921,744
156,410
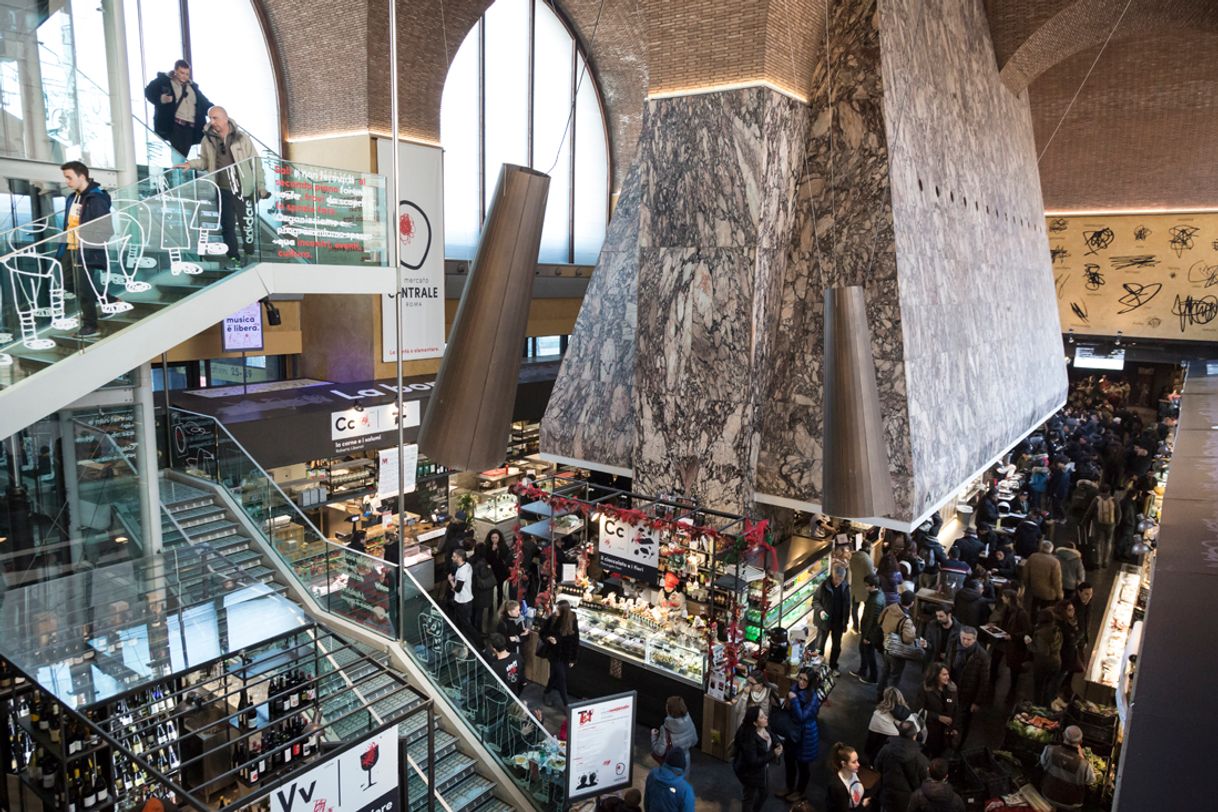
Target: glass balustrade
381,598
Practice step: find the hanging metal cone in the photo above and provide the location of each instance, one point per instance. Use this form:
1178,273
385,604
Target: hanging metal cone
856,483
469,416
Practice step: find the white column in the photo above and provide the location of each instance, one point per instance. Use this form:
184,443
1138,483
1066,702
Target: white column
146,461
117,72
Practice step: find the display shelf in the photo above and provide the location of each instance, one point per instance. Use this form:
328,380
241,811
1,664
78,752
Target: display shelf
1106,660
657,646
556,528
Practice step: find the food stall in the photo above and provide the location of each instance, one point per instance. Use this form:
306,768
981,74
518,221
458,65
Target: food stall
1109,654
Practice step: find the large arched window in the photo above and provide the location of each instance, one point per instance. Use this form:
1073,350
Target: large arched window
507,99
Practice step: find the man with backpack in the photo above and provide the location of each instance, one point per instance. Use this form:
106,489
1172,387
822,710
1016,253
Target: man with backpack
1104,514
901,643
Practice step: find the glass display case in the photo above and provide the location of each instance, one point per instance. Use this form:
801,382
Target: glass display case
678,653
1107,657
790,599
495,507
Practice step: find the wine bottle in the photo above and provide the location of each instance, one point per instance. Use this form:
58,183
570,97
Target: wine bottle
240,757
90,797
247,716
295,688
36,711
103,789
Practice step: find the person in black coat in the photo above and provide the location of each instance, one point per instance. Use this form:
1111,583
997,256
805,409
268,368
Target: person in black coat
755,750
902,767
831,608
560,633
970,548
169,93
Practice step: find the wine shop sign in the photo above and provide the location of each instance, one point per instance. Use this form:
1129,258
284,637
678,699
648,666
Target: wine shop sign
361,779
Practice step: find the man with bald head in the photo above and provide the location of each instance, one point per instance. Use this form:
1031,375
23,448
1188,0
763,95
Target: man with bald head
229,157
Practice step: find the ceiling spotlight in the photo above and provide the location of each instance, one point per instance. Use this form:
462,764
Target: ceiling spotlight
1070,336
1118,338
121,539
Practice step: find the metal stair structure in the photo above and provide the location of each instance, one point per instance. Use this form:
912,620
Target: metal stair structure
198,517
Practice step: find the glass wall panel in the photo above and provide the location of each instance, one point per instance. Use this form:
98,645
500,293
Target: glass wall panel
507,88
591,173
459,123
551,133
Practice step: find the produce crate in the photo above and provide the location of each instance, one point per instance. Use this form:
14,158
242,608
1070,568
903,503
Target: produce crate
1027,748
1099,730
988,772
970,790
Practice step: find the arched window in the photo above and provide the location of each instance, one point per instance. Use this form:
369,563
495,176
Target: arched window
507,99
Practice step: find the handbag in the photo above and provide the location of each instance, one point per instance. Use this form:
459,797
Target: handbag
543,648
656,754
783,725
896,647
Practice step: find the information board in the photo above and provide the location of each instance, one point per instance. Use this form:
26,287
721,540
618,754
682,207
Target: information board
242,330
630,550
327,215
600,745
387,474
361,779
355,429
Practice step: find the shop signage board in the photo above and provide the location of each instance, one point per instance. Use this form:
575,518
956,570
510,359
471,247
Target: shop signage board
1094,358
369,427
420,234
600,745
361,779
387,479
242,330
631,550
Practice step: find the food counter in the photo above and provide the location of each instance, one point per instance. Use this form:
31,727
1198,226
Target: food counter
805,565
1108,654
495,509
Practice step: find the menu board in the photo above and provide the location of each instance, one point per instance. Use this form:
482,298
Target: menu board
387,479
600,745
326,215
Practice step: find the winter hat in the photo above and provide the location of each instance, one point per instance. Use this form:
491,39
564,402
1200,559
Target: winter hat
676,756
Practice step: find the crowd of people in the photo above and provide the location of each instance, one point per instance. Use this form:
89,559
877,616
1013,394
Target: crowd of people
1087,478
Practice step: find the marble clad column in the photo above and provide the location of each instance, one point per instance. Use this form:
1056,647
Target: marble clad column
844,237
718,173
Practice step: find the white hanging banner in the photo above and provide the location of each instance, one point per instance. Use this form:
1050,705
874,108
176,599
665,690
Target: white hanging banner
420,231
387,479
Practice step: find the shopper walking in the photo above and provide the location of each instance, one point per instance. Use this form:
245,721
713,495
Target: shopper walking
942,708
667,788
506,663
512,626
885,722
560,632
85,219
891,578
1073,646
1073,571
803,702
902,767
861,565
678,732
936,794
755,750
871,636
1068,772
1042,575
484,590
970,668
1082,610
1012,619
940,634
1102,518
901,643
501,557
462,586
1045,644
179,108
846,789
229,156
831,612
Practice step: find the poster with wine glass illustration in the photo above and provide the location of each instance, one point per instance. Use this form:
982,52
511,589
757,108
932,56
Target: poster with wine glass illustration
361,779
1142,275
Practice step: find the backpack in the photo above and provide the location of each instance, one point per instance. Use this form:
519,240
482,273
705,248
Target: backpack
484,576
1105,510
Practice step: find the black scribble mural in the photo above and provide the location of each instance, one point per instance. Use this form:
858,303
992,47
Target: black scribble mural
1182,238
1098,240
1058,225
1214,245
1137,261
1138,294
1058,254
1141,233
1080,310
1202,274
1093,276
1060,281
1192,311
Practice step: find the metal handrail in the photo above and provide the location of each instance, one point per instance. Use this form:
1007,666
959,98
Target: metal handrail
402,570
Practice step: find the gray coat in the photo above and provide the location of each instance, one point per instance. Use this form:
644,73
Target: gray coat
861,566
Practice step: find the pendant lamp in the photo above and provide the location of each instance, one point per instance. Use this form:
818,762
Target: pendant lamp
469,416
856,483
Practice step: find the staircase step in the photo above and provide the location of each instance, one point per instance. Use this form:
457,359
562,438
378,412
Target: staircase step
185,515
451,770
444,742
211,530
468,793
495,805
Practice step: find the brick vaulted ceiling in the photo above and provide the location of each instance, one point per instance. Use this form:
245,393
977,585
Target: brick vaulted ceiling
1139,135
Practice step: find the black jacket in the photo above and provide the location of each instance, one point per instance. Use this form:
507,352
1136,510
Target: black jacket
902,769
163,112
1027,537
970,549
835,601
971,607
973,677
935,796
568,645
94,206
752,757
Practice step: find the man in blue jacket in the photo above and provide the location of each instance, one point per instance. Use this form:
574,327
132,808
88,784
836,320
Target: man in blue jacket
667,789
86,214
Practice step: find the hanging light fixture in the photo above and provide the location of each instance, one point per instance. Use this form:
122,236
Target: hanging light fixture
855,478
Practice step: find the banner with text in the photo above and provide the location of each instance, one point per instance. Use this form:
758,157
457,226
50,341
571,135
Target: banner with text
243,329
600,742
362,779
631,550
420,232
327,215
